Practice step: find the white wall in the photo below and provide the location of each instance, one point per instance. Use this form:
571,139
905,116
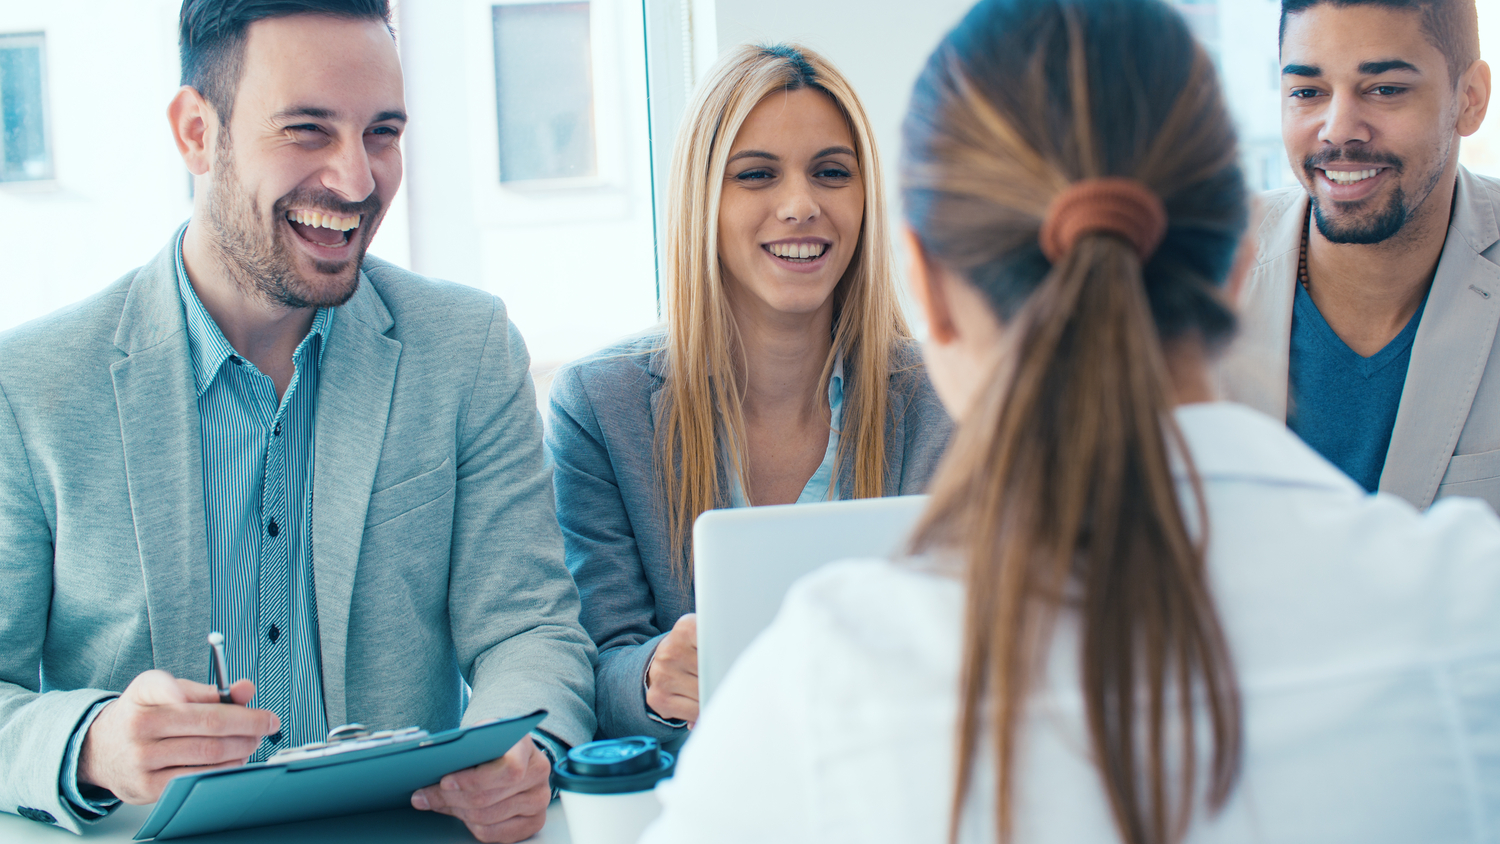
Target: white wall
120,188
574,264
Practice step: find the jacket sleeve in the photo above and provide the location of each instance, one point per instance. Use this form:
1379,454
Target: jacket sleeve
35,726
513,606
618,609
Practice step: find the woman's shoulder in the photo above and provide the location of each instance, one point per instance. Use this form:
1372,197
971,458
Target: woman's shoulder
627,366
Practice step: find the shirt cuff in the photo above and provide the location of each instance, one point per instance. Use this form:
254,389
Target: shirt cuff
101,802
674,723
555,751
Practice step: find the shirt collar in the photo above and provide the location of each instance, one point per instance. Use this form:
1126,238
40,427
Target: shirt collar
210,349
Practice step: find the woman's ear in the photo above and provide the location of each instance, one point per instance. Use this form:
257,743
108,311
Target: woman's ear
928,288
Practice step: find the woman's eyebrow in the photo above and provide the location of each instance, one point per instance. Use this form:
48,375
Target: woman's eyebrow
822,153
753,153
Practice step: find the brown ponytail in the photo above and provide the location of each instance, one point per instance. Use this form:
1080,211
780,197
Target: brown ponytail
1058,491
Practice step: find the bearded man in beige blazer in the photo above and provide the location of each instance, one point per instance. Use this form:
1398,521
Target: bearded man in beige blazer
1368,321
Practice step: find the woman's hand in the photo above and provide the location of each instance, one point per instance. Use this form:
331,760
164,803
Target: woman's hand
672,678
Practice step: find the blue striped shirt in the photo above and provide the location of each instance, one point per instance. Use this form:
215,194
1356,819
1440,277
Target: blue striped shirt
257,490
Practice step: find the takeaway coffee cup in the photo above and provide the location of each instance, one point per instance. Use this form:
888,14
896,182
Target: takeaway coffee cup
607,788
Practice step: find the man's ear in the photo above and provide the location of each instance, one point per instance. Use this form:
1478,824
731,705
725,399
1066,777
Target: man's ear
929,288
1473,98
194,124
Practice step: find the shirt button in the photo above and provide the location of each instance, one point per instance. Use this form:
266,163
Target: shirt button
277,432
273,633
275,737
272,528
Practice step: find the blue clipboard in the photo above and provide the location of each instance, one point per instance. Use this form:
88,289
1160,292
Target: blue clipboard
358,781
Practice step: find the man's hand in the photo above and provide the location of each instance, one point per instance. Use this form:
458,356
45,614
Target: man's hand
504,800
672,679
162,727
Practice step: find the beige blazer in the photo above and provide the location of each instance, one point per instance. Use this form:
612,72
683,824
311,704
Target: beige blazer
1447,435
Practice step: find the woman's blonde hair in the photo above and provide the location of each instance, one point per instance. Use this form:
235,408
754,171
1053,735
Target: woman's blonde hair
702,423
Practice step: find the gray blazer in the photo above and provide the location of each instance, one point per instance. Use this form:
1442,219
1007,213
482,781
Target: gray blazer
437,556
1446,440
600,436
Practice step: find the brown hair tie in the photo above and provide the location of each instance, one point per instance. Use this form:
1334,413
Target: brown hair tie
1115,205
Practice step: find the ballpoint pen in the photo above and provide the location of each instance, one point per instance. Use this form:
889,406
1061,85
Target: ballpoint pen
221,668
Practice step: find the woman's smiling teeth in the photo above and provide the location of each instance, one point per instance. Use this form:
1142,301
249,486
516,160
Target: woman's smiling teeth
1349,177
797,251
319,220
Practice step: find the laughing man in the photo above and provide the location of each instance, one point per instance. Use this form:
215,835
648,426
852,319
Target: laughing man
264,432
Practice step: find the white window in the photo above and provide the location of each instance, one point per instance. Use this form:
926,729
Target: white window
24,153
544,91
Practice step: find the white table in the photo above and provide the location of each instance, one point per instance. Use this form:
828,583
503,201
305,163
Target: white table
403,825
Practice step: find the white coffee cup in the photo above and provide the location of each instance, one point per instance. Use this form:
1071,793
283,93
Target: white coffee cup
608,788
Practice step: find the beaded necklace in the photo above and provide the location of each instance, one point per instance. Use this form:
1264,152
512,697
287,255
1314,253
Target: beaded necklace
1302,256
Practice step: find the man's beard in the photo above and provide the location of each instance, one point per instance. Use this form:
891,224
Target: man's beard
262,261
1385,223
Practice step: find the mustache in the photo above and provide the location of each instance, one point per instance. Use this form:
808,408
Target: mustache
1350,155
328,202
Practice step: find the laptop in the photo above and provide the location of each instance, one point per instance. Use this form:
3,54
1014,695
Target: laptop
745,559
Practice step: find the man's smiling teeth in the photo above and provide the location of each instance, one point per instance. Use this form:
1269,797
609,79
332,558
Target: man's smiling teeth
323,221
1349,177
797,251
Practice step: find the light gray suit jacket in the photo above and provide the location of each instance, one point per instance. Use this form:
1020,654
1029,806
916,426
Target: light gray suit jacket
436,553
1447,435
601,436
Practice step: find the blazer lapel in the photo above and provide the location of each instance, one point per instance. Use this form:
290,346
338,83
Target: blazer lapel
356,380
164,465
1254,370
1449,353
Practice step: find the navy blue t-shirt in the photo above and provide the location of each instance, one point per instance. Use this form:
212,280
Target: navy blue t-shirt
1340,403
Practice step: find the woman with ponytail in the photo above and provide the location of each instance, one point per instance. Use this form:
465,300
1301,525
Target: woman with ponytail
1131,613
785,372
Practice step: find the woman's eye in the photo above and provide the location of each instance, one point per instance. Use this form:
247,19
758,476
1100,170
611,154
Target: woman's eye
754,175
833,173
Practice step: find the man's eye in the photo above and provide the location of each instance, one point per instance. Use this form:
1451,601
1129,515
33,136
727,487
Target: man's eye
1304,93
1388,90
385,130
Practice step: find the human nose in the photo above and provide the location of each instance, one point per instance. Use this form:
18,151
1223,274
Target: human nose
797,204
1344,122
348,171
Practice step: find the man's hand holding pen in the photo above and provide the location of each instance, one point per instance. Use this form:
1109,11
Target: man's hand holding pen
161,727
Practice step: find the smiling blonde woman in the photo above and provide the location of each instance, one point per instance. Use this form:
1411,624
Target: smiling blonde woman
785,372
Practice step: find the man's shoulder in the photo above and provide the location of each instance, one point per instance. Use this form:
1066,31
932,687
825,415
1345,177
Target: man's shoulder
66,337
417,301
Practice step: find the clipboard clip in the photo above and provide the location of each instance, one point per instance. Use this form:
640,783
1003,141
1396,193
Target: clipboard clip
346,739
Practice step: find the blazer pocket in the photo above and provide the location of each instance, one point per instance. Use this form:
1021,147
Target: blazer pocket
1463,468
408,495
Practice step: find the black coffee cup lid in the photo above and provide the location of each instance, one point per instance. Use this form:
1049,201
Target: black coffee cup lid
614,766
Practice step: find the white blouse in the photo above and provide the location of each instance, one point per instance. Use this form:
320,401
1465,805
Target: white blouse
1366,640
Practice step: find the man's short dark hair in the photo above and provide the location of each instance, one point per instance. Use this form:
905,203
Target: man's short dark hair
1452,26
212,38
